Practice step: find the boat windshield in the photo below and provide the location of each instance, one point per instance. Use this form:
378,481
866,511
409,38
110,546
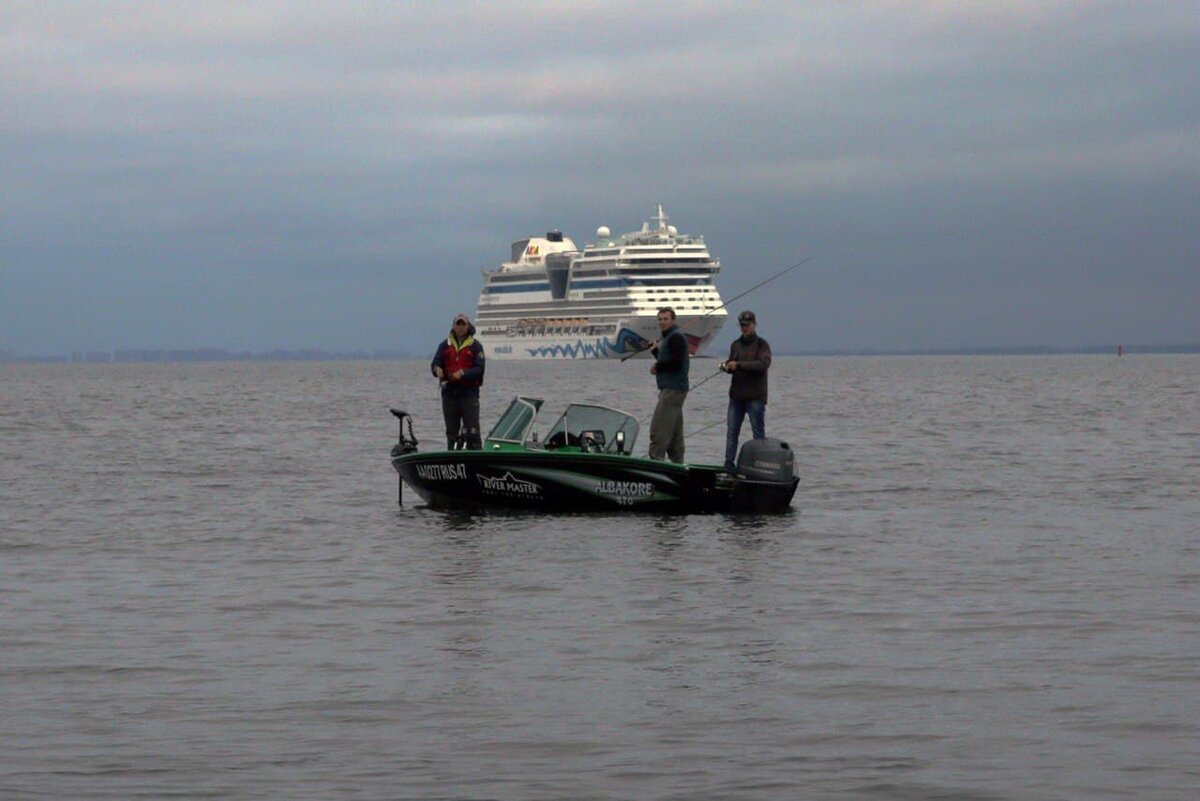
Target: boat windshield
514,424
594,428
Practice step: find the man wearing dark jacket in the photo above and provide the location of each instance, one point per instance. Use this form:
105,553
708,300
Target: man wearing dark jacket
458,365
670,369
749,360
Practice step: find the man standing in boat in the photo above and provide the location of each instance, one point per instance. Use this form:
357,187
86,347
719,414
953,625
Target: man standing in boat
458,365
748,362
670,370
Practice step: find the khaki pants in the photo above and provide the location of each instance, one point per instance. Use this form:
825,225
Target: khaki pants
666,426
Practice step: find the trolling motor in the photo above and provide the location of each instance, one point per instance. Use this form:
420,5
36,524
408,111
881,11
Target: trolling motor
406,443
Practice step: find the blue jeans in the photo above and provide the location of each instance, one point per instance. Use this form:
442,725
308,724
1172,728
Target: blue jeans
738,409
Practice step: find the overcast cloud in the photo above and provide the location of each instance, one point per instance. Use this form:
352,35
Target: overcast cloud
332,175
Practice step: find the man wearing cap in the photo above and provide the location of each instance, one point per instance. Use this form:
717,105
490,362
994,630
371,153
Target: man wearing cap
670,370
748,362
458,364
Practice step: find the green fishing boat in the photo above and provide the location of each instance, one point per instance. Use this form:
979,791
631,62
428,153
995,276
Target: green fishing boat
585,462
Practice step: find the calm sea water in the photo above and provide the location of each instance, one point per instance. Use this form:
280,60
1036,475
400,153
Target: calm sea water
989,589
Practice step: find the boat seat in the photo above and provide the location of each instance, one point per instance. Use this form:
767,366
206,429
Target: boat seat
592,441
560,438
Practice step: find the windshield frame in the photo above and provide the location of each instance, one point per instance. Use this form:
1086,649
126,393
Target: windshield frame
520,405
568,422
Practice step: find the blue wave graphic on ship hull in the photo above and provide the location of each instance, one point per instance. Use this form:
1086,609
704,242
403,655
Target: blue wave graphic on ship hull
627,342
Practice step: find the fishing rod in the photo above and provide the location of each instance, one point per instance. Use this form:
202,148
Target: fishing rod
782,272
720,370
718,308
702,430
697,385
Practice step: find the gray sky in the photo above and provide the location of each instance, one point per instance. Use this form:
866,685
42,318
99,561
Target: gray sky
334,175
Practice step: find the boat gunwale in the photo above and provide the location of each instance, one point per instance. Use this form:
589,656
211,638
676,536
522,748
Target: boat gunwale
524,451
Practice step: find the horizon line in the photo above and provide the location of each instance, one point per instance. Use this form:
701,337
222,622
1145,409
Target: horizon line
210,354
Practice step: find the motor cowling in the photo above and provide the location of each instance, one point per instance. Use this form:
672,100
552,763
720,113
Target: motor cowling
766,460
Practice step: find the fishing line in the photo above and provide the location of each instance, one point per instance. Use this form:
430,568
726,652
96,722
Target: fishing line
720,371
705,428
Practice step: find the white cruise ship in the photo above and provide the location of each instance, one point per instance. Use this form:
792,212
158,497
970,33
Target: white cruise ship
553,301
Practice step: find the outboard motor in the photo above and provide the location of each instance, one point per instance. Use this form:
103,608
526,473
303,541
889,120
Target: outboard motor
766,460
766,476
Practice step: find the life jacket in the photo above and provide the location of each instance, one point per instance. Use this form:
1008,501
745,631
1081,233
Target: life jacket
460,356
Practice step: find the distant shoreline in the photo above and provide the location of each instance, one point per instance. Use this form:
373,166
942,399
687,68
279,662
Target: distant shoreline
1127,350
147,356
214,355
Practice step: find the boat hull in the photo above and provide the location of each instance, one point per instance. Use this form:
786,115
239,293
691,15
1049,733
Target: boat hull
557,481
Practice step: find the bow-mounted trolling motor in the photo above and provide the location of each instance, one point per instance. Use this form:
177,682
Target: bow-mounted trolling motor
406,443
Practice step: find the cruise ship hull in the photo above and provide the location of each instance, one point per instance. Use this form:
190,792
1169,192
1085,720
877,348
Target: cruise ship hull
632,335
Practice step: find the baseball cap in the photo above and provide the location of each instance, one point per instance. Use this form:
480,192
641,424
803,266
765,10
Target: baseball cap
746,317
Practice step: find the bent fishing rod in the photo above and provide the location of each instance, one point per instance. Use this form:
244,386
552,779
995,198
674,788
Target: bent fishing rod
764,282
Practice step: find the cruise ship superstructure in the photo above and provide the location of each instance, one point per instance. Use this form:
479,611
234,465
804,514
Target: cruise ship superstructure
553,301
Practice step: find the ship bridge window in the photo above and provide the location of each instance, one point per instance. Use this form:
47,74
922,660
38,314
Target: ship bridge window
525,275
666,269
658,263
